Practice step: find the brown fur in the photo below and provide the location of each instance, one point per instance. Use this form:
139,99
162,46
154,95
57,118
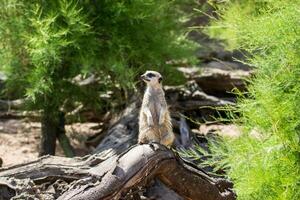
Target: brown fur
155,121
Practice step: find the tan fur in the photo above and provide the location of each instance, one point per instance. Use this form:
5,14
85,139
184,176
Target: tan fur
155,121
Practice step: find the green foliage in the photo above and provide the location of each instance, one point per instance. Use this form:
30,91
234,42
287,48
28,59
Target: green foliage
59,40
267,166
12,26
45,44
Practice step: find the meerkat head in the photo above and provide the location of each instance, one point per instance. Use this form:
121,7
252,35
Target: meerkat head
152,78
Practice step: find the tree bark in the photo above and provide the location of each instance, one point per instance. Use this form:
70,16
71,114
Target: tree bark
53,126
121,134
62,137
49,128
92,178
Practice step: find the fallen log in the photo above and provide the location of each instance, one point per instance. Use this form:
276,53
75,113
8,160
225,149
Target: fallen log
92,178
219,78
6,105
191,97
121,134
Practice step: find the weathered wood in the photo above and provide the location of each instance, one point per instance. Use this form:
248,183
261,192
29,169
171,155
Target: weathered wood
6,105
92,178
190,97
219,78
185,134
121,134
158,190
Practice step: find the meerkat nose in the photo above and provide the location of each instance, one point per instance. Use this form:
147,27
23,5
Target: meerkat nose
143,78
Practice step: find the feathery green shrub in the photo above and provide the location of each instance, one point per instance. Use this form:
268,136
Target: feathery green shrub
114,39
264,163
44,45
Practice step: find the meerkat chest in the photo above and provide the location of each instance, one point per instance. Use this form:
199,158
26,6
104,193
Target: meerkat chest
155,107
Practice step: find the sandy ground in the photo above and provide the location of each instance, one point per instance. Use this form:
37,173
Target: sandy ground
19,140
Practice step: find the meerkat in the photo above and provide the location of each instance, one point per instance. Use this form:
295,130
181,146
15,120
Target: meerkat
154,120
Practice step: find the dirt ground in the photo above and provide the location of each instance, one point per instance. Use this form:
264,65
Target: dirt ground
19,140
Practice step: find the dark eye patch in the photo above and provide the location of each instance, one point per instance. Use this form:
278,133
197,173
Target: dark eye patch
150,75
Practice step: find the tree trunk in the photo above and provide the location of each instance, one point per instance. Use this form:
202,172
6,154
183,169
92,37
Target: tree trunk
49,128
62,138
53,126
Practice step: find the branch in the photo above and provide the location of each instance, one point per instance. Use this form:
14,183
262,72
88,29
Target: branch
94,179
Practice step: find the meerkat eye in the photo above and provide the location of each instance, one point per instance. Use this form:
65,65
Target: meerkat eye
160,79
150,75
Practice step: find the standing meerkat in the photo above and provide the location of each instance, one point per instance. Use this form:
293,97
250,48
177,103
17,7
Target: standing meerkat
154,120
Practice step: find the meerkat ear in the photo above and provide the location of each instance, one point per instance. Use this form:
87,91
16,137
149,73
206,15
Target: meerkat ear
160,79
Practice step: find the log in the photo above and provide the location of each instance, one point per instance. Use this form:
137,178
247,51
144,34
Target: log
121,134
219,78
92,178
190,97
6,105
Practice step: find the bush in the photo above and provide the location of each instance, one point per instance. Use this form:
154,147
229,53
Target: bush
117,39
267,167
44,45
